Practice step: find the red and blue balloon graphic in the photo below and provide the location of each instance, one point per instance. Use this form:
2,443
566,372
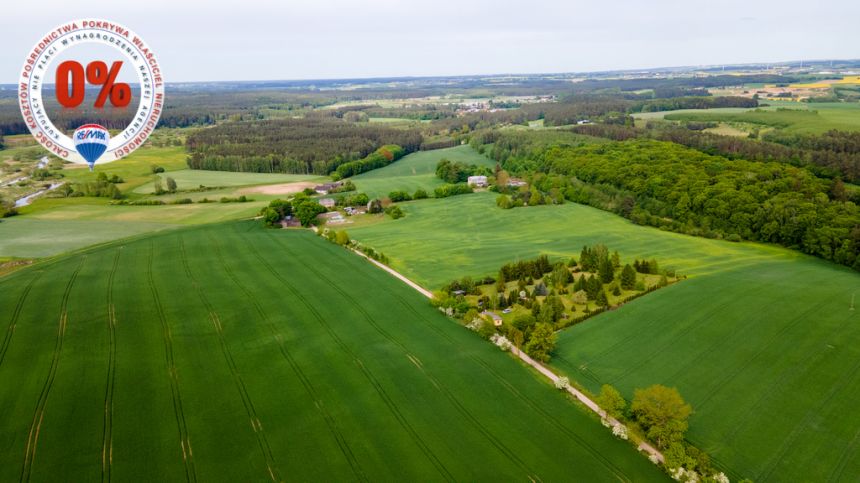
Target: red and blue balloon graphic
91,141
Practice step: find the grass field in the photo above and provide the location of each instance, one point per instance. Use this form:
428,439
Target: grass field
58,225
416,170
795,117
760,339
233,353
193,178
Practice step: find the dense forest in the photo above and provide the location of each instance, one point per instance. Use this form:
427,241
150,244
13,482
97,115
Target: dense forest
291,145
673,187
834,154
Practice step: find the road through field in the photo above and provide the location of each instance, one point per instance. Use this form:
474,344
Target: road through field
579,395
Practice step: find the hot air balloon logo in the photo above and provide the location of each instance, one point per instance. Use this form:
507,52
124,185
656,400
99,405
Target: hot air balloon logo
91,141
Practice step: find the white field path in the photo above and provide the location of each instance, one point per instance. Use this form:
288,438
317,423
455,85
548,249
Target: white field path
588,402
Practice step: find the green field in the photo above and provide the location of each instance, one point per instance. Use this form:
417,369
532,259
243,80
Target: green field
760,339
234,353
794,117
56,225
193,178
416,170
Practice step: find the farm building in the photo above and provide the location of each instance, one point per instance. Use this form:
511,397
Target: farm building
327,188
516,182
327,202
479,181
496,318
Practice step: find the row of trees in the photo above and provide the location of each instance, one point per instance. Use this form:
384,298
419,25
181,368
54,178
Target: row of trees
381,157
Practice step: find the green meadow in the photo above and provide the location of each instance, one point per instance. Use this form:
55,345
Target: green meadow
760,339
804,118
194,178
230,352
416,170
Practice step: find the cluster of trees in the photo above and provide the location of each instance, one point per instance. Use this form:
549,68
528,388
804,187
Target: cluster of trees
381,157
7,208
524,269
293,145
353,199
663,415
101,187
670,186
529,196
159,189
304,208
458,172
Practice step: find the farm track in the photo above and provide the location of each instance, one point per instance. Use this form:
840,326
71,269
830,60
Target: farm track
39,412
331,423
251,411
392,407
504,382
182,427
107,432
16,313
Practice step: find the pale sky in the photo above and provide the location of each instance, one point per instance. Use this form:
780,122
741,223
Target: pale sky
322,39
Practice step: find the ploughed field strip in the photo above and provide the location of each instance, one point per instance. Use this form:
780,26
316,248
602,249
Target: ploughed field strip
235,353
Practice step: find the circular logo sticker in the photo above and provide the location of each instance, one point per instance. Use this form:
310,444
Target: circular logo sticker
91,142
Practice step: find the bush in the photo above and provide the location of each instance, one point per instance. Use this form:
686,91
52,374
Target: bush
396,196
419,194
394,212
156,169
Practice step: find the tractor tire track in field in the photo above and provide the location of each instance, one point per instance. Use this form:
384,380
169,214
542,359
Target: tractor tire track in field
728,376
39,412
488,435
329,420
181,425
251,411
693,324
10,331
107,431
392,407
844,458
788,443
552,420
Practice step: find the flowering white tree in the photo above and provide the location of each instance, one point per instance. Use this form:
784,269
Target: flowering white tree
684,475
620,431
721,478
562,383
501,341
654,459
